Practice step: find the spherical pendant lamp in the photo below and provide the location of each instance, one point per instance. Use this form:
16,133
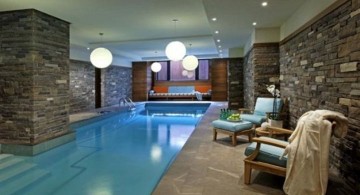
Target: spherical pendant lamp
190,62
175,50
190,74
156,67
101,57
184,73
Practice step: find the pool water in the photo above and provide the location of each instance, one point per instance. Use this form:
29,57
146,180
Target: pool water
125,153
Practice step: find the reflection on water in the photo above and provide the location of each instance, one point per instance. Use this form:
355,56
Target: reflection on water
123,154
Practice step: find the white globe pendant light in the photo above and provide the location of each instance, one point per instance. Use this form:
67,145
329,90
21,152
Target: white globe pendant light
101,57
190,74
156,67
175,50
190,62
184,73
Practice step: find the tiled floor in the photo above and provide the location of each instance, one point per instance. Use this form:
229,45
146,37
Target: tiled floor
213,168
207,167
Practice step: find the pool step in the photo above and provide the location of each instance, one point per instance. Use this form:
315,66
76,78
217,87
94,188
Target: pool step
17,175
4,157
9,162
24,181
5,176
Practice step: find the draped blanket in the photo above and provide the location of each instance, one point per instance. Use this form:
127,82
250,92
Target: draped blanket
308,151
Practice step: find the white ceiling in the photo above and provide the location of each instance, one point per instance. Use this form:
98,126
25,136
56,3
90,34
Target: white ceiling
136,30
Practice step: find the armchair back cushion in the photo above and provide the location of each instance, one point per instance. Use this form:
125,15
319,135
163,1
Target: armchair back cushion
264,105
181,89
202,88
160,89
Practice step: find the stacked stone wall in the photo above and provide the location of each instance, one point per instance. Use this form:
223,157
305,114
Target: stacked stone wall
249,100
34,77
82,86
116,84
235,83
261,68
319,69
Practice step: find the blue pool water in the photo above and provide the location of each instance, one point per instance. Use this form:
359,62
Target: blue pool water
125,153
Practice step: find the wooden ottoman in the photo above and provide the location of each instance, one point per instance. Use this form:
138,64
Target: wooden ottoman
233,129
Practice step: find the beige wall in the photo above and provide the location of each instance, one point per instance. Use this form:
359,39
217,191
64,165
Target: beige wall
305,13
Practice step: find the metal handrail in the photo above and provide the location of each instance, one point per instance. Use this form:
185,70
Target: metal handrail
127,102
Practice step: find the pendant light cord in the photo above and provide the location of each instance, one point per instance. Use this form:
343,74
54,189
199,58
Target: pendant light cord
101,39
175,21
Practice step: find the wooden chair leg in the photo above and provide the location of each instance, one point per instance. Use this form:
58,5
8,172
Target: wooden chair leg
247,173
214,134
250,136
234,139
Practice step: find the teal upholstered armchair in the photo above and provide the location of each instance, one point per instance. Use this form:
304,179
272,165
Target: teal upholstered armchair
264,155
263,107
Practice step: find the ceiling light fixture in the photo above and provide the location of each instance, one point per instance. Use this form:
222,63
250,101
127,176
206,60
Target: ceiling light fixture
156,67
216,32
101,57
254,23
219,46
175,50
218,40
213,19
190,62
264,4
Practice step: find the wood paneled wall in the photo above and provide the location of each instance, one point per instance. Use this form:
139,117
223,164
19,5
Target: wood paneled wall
141,80
219,79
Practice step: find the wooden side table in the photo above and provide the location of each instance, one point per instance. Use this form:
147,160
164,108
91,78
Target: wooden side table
262,132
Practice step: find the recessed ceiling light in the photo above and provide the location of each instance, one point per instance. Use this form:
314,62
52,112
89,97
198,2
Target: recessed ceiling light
216,32
254,23
220,50
88,48
218,40
219,46
213,19
264,4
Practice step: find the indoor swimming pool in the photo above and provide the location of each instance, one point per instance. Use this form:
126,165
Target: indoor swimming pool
123,153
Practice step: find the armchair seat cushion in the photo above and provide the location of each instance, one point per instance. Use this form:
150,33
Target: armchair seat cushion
232,126
256,119
268,154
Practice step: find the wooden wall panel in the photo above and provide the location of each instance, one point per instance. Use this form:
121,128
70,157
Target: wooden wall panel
141,80
219,79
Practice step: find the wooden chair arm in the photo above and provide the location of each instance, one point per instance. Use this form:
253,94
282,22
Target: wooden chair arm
242,110
270,141
278,130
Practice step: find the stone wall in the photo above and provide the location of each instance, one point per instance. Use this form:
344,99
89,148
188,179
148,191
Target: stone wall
235,83
82,86
116,83
34,77
319,69
249,100
261,68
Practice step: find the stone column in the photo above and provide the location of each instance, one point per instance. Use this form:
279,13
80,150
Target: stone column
261,68
235,80
34,82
